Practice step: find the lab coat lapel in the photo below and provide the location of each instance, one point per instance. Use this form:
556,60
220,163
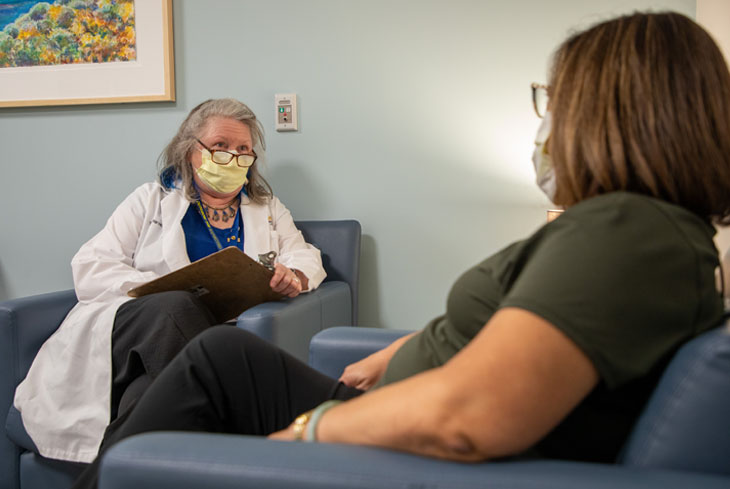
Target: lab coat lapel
173,208
256,228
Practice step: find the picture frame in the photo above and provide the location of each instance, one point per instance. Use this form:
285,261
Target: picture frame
148,77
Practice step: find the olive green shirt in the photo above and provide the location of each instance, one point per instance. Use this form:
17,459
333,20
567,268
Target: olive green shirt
627,277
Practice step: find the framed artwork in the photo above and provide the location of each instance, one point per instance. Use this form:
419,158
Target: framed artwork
68,52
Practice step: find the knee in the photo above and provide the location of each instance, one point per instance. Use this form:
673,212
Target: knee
222,337
225,342
225,351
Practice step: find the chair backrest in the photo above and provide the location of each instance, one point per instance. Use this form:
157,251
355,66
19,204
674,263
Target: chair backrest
686,423
339,242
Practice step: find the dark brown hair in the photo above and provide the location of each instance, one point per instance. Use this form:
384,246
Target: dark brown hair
641,103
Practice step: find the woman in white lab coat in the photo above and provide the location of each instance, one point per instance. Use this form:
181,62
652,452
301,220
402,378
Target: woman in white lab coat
210,195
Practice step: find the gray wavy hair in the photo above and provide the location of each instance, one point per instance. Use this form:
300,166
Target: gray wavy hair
174,165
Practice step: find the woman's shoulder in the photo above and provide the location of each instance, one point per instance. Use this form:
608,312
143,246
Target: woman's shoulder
148,188
620,231
270,201
620,201
154,188
632,214
149,194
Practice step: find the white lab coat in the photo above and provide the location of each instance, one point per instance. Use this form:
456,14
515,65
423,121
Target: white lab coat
64,400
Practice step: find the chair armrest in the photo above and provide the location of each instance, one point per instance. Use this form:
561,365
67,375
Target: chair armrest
335,348
194,460
25,324
339,242
291,323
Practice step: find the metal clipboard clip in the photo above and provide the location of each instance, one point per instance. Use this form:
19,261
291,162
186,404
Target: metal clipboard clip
267,259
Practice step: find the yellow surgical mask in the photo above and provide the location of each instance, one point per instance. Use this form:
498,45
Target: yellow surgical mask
221,178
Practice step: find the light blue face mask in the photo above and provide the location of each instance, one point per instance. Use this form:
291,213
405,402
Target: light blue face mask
544,172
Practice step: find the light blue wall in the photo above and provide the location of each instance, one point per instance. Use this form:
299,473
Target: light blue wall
415,119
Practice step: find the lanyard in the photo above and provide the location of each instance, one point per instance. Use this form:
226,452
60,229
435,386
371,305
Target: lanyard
208,226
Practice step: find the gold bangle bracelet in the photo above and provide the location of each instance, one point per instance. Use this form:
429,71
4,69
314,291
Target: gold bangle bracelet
300,424
310,429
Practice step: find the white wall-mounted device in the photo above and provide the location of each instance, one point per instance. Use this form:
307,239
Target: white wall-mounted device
286,111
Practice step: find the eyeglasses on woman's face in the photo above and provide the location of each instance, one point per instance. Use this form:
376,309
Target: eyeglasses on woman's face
222,157
540,97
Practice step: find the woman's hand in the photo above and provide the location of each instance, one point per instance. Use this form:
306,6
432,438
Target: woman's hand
365,373
368,371
287,434
287,281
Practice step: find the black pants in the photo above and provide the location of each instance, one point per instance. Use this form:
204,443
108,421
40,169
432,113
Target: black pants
148,333
226,380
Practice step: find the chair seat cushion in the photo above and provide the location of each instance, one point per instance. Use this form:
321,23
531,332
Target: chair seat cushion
16,431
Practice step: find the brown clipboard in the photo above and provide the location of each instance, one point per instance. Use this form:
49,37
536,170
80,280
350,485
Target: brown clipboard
228,282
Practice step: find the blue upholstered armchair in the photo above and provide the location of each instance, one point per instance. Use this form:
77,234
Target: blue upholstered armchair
291,323
682,440
27,322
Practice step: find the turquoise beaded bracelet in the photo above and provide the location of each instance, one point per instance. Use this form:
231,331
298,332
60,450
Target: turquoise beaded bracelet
310,433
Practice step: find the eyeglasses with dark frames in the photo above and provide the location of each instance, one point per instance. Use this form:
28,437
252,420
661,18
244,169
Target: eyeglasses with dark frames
221,157
540,97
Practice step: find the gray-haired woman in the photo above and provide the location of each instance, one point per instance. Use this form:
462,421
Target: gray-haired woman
210,195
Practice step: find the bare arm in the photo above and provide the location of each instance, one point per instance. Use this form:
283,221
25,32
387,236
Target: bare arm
501,394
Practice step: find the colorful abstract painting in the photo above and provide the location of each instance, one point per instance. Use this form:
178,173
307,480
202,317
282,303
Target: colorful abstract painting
66,32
